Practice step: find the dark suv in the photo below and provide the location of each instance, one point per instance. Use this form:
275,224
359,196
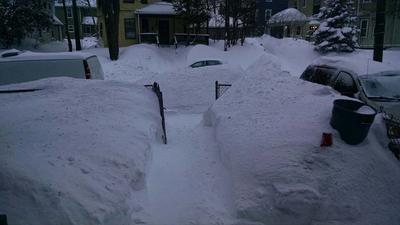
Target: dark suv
341,80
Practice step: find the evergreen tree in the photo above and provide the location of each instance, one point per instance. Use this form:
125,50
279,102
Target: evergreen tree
19,18
337,31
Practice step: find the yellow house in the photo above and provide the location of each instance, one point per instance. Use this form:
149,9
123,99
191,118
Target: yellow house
145,21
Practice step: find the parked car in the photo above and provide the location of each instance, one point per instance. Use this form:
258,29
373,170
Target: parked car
206,63
17,67
380,90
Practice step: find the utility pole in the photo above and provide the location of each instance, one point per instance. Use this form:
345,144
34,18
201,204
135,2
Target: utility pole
379,32
78,46
226,25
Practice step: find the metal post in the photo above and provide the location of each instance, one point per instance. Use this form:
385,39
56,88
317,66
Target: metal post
216,90
3,220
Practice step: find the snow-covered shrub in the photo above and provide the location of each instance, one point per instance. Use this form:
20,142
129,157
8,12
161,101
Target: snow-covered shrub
338,31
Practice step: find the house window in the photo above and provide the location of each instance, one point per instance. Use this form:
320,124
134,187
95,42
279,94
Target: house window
69,12
268,13
130,28
364,28
71,28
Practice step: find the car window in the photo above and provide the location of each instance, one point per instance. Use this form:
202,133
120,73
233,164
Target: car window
213,62
95,68
345,84
198,64
23,71
307,75
323,75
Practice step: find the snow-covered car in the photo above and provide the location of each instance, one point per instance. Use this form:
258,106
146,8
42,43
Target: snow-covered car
203,63
379,90
18,67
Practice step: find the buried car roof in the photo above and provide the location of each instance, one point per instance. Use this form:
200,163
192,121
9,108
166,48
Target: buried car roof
27,55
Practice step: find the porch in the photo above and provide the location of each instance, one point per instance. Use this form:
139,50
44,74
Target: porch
159,24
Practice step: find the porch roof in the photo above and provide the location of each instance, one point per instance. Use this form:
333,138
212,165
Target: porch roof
289,15
158,8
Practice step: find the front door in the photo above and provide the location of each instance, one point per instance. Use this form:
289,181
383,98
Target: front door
163,32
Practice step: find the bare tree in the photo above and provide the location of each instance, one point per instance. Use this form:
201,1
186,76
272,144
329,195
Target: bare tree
78,46
110,10
66,27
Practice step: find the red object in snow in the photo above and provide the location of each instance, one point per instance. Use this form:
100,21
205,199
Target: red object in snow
326,140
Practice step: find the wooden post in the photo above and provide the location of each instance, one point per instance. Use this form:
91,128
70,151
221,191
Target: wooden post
379,32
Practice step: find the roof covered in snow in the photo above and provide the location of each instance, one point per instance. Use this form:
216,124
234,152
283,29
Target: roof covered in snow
288,15
81,3
88,20
57,21
158,8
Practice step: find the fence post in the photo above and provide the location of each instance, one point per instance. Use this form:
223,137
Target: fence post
157,90
3,220
216,90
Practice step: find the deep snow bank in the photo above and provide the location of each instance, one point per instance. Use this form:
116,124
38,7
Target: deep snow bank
75,152
269,127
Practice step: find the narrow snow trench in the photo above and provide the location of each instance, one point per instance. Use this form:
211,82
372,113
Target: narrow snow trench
187,183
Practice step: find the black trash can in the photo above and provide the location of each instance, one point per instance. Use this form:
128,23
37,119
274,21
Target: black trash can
352,125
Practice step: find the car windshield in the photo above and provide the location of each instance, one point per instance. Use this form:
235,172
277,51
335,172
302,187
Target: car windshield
381,86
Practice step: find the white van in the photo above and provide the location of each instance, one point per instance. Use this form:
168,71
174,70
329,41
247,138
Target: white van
17,67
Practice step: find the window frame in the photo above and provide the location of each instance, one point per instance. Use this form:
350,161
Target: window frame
366,28
126,31
69,12
71,29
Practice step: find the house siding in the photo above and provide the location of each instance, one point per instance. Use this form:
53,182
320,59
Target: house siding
127,10
262,5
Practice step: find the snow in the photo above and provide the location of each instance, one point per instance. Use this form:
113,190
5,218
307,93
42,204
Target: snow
57,21
88,20
28,55
268,128
218,21
288,15
76,152
188,167
366,110
251,157
157,8
82,3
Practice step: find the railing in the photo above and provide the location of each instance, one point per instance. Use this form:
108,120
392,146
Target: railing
220,89
175,42
191,39
156,89
149,38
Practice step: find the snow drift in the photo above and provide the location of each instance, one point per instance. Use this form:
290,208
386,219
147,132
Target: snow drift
75,152
269,126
